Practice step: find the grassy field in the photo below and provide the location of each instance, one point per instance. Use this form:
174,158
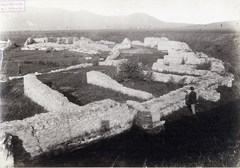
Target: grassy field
14,104
210,138
82,93
42,61
218,44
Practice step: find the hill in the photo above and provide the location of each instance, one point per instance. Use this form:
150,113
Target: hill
61,19
218,26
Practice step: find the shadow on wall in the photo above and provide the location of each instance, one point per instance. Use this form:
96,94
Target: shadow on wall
67,94
20,155
105,126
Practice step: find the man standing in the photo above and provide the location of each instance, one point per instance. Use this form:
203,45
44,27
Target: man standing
187,101
192,99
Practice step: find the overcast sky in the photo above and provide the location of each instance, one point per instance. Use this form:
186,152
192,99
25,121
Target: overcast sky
186,11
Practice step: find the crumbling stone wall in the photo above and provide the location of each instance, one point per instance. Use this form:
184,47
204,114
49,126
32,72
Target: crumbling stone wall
183,79
153,41
174,100
175,68
40,93
66,121
71,128
100,79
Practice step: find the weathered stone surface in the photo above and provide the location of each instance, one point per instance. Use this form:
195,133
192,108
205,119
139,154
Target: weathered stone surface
71,128
217,66
68,40
177,57
126,41
112,62
85,44
173,68
6,150
210,95
50,99
39,40
8,45
3,78
138,43
184,79
114,54
75,39
30,40
122,46
173,101
172,45
153,41
106,42
72,67
100,79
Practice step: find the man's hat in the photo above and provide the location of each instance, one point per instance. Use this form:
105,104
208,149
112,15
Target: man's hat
192,88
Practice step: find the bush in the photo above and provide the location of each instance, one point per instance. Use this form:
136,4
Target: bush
228,68
132,70
48,63
95,62
204,66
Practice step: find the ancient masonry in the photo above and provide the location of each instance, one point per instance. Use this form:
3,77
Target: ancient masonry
68,127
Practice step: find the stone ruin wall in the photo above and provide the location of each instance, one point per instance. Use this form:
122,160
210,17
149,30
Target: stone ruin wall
43,95
102,80
66,126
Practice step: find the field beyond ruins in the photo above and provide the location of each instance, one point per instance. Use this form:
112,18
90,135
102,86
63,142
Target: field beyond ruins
210,138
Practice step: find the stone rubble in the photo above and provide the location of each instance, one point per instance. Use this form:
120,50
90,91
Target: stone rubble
184,79
160,66
29,41
172,45
137,43
5,45
83,44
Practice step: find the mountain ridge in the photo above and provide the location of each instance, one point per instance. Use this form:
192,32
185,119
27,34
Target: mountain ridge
62,19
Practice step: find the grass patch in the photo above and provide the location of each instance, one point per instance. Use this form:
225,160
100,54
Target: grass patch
204,66
74,85
14,104
42,61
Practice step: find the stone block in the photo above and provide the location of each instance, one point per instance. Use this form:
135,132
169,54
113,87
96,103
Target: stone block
153,41
103,80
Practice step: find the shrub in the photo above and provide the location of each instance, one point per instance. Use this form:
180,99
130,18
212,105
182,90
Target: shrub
182,81
131,70
49,49
149,76
204,66
228,68
48,63
95,62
